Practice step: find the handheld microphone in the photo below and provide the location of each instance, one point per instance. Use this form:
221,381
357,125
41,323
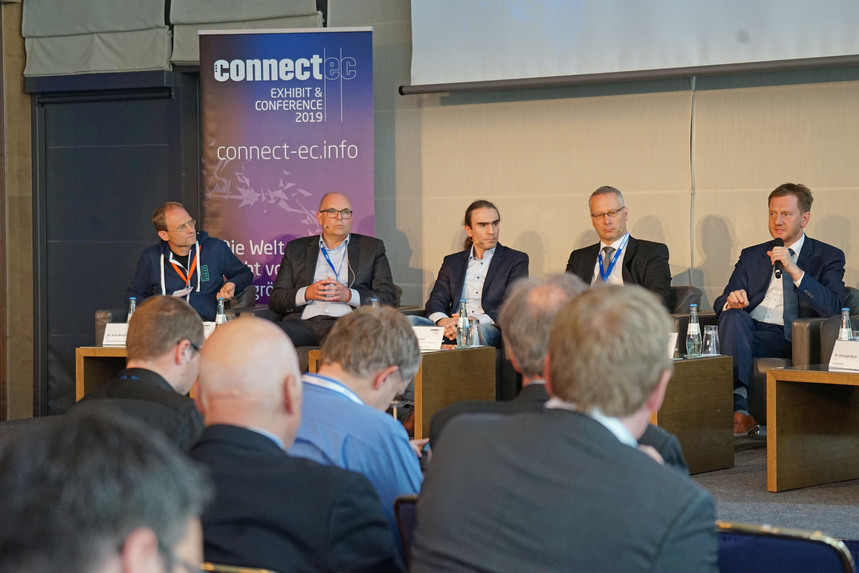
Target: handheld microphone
778,266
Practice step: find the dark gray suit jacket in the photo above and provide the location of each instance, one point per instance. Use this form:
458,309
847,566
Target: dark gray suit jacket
531,399
645,263
146,396
369,271
556,491
279,512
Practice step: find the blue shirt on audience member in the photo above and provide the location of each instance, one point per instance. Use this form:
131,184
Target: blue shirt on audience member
338,429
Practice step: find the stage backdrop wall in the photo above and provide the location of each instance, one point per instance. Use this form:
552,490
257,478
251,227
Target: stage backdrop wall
287,116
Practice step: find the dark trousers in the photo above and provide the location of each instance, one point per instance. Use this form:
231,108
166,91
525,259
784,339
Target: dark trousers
745,339
310,332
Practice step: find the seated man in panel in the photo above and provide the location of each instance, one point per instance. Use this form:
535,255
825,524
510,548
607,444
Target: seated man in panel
273,510
187,264
619,258
774,283
480,274
326,276
568,488
368,359
93,493
163,349
526,318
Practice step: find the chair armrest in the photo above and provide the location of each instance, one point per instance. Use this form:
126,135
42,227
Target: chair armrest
260,311
805,333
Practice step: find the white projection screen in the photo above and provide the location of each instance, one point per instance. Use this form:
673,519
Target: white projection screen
455,41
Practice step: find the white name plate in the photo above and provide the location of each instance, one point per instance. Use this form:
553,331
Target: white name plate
845,355
429,337
114,334
208,328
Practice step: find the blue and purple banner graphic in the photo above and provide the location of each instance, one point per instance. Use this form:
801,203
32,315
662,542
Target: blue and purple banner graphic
287,116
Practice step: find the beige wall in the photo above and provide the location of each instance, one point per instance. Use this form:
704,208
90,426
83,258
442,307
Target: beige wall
695,167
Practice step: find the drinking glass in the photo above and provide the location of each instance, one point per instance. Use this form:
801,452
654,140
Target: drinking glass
711,341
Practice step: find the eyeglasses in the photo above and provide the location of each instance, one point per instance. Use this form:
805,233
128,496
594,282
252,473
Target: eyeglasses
172,561
196,347
191,224
332,213
610,214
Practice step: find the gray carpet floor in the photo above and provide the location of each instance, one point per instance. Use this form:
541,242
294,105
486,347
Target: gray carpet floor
741,496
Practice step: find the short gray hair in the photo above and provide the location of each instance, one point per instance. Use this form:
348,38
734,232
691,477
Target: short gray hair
371,339
609,348
527,315
605,190
75,487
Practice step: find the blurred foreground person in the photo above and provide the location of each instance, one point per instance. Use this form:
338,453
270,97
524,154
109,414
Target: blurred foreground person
567,488
273,510
92,493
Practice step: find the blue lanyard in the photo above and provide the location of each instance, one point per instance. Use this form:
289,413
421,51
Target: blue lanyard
330,264
605,273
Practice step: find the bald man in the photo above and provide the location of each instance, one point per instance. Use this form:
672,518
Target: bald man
272,510
326,276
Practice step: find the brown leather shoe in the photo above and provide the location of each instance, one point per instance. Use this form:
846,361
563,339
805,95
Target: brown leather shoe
745,425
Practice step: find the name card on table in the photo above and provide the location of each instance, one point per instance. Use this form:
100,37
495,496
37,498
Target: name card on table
845,355
114,334
429,337
672,344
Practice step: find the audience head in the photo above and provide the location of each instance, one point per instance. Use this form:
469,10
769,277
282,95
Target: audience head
608,350
789,211
608,214
94,492
249,377
174,225
165,334
337,224
376,353
481,225
527,314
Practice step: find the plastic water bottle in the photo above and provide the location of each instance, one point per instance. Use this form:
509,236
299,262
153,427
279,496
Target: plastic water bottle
693,333
846,330
221,316
132,306
462,326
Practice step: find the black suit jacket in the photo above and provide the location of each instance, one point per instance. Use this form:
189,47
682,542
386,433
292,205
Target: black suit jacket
821,292
531,399
506,266
369,271
146,396
645,263
556,491
275,511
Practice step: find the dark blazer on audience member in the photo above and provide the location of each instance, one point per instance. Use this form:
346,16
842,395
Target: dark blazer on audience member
369,272
146,396
645,263
275,511
556,491
821,292
531,398
506,266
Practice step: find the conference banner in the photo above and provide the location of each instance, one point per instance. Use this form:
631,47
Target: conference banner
286,117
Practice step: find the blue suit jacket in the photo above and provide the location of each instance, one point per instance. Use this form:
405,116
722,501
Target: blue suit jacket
821,292
507,265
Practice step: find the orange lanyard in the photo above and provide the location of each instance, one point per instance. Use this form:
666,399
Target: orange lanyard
178,269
